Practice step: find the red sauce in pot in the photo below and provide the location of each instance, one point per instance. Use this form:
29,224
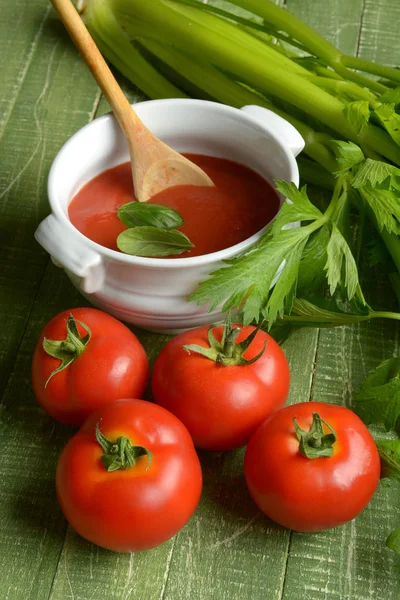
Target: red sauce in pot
239,205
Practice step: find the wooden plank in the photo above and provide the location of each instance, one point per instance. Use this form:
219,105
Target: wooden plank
28,24
337,20
379,38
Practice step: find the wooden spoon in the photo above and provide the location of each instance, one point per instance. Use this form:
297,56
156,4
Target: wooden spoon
155,166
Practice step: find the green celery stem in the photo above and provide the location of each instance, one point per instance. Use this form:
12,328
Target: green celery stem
354,62
285,21
314,42
118,49
230,52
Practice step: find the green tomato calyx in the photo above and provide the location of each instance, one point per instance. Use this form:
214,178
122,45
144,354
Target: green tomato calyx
315,443
70,348
120,454
227,352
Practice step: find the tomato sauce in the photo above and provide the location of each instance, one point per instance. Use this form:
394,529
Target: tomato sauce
239,205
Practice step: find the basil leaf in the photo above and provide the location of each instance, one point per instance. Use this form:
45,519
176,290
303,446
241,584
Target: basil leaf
151,241
138,214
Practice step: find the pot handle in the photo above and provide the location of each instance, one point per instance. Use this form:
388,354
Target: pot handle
71,255
289,135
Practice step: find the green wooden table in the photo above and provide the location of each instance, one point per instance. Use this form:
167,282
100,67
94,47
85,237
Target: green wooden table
229,550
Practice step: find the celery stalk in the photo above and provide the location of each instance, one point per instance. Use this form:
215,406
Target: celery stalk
316,44
236,52
116,46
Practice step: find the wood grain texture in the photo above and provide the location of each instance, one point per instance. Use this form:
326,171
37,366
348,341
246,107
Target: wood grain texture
379,39
229,550
53,101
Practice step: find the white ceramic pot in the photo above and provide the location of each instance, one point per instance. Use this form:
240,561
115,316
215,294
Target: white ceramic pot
152,292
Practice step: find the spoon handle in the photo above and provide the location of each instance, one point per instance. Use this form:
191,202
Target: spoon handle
82,39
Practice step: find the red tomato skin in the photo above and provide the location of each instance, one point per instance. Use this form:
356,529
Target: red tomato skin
310,495
133,509
113,365
221,406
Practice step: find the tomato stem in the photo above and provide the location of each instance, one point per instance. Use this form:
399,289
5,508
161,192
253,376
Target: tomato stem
121,454
70,348
315,443
227,352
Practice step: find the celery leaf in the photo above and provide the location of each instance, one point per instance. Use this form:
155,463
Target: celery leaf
246,281
339,260
311,273
379,186
263,281
357,114
299,209
378,254
378,174
252,279
391,96
347,154
316,316
378,400
386,207
390,120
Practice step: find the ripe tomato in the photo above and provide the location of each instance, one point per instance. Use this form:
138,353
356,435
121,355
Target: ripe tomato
136,507
85,358
316,492
207,378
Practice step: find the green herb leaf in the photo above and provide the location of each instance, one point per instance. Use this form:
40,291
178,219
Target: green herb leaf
389,452
138,214
312,315
347,154
357,113
386,207
311,273
263,281
284,291
378,400
393,540
340,260
378,174
151,241
378,254
300,209
390,120
391,96
248,279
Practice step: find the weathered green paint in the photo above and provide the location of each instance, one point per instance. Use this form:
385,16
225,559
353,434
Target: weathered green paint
229,550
